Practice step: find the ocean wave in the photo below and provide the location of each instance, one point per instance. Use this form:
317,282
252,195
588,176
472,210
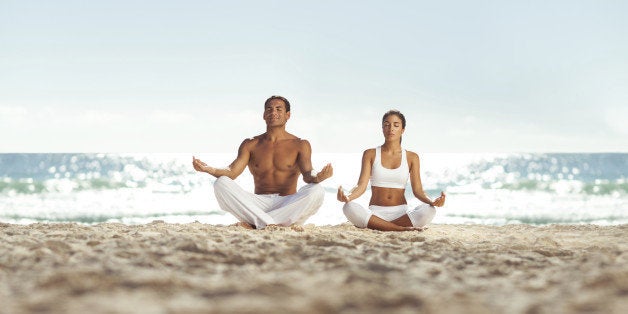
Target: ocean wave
30,186
598,187
499,189
538,219
103,217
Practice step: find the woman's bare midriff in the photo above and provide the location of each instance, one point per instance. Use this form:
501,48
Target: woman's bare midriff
387,196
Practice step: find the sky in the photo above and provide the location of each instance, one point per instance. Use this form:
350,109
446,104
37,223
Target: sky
192,76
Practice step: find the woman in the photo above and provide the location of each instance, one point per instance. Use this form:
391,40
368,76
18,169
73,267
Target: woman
388,168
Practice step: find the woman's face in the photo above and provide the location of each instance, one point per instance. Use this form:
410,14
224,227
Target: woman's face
392,128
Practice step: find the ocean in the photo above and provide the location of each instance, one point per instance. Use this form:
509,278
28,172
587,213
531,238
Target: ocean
492,189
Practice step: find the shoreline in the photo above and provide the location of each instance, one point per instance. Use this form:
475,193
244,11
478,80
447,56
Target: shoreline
162,267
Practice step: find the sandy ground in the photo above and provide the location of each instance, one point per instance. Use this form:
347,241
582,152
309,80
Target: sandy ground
198,268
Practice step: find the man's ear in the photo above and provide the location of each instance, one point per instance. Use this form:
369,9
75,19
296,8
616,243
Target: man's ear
287,115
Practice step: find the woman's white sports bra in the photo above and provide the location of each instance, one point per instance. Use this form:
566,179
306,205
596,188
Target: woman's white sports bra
389,178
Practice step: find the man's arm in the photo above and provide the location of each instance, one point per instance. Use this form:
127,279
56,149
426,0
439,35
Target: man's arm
305,165
234,169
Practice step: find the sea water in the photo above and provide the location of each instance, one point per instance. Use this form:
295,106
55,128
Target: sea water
495,189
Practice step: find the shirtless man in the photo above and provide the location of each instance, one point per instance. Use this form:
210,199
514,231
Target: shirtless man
275,159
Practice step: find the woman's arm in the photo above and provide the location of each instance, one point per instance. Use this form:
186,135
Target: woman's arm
363,181
415,178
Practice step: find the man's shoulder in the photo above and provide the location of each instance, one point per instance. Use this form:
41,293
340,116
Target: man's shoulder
289,139
293,139
249,140
290,136
301,141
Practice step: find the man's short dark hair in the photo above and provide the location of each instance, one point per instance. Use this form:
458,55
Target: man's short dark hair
285,101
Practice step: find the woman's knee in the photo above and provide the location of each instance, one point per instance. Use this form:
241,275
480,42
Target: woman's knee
422,215
357,215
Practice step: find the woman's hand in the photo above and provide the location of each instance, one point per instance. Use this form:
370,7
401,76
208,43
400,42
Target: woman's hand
440,201
341,195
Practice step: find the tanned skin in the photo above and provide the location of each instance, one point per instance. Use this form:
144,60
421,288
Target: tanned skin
275,158
391,159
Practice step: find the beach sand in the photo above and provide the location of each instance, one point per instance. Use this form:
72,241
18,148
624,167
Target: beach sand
199,268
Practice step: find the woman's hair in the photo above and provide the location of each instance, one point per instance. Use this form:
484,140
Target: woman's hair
398,114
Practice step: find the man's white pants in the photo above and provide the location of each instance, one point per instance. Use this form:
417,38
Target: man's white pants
359,216
261,210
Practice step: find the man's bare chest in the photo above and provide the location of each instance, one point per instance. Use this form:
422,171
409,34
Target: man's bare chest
274,158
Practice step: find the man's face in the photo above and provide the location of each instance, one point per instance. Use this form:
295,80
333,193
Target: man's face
275,113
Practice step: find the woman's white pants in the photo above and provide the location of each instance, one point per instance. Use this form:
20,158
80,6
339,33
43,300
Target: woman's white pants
359,216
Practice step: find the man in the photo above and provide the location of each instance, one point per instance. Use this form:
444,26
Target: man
275,158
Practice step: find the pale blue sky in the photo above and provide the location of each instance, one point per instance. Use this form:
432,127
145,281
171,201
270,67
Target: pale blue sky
192,76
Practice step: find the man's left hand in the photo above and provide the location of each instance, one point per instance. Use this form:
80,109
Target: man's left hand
325,173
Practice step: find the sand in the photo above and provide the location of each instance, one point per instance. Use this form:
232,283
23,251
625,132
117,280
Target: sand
199,268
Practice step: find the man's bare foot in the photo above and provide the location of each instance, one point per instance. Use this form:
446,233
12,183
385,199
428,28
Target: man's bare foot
244,225
415,228
297,228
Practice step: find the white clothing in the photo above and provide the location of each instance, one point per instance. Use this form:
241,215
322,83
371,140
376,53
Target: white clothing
261,210
390,178
359,216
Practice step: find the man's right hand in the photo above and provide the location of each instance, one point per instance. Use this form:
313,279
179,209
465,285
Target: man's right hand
200,166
